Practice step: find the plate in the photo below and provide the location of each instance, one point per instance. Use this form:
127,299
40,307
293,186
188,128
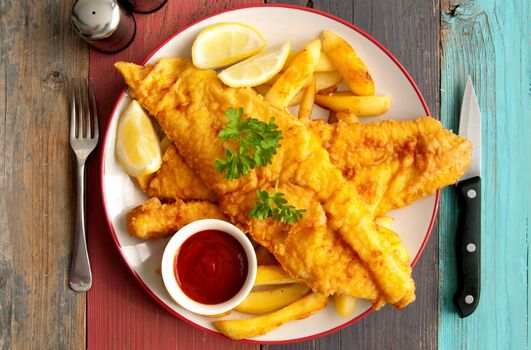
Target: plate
299,25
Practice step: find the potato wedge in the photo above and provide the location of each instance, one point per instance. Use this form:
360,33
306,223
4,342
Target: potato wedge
325,64
272,274
348,64
363,106
306,107
326,80
345,304
292,80
255,326
263,301
264,257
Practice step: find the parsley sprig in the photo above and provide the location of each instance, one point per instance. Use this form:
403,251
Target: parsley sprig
257,143
275,206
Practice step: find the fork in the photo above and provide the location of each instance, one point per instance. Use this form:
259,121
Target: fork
83,118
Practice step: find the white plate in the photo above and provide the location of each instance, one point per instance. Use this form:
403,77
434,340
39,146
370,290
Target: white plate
277,24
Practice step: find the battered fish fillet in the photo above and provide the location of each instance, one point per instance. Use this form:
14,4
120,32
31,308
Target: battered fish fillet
189,104
154,219
391,163
175,180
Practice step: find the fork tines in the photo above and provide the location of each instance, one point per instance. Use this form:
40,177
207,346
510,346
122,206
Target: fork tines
84,113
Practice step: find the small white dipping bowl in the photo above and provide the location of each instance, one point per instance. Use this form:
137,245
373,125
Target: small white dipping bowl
168,265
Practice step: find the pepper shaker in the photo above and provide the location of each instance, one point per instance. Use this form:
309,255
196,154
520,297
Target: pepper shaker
104,24
145,6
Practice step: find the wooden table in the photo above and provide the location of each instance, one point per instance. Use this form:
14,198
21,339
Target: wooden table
439,43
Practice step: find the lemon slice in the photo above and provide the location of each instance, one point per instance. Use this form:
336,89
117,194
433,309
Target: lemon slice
137,143
225,43
257,69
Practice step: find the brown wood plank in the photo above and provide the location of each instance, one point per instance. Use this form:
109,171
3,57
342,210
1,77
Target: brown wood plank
410,30
39,52
120,314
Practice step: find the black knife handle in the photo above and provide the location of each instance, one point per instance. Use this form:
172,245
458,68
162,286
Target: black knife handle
468,246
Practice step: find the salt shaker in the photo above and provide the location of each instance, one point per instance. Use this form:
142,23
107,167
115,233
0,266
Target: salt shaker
145,6
104,24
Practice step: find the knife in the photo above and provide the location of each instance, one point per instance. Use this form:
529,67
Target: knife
469,193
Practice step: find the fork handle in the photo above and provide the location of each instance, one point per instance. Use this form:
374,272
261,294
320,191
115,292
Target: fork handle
80,274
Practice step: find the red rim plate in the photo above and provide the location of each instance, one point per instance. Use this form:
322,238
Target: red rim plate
102,174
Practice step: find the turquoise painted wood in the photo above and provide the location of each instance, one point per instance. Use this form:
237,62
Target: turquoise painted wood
490,40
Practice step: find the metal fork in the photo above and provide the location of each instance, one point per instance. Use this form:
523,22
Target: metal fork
83,118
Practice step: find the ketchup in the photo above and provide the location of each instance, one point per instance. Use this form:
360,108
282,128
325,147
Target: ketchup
211,267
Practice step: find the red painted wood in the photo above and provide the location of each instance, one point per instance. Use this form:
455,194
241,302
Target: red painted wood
120,315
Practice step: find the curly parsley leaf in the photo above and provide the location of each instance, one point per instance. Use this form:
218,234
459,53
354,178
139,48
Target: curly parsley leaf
275,206
257,143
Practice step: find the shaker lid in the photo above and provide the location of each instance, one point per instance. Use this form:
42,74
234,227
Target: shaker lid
95,19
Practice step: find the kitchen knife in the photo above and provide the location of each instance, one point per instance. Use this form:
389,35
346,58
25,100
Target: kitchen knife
469,193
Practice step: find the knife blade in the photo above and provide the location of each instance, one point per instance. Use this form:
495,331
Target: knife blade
469,192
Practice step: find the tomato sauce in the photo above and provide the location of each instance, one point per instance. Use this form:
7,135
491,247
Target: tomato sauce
211,267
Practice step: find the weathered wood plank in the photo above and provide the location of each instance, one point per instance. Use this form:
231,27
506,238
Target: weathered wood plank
489,41
39,52
410,30
120,314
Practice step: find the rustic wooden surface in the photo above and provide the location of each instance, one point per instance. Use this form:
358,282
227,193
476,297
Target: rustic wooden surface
120,315
38,53
489,41
411,33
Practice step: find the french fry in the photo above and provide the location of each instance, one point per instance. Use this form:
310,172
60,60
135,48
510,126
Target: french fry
263,301
325,80
325,64
347,117
293,78
297,99
348,64
264,257
345,304
363,106
306,106
256,326
329,90
272,274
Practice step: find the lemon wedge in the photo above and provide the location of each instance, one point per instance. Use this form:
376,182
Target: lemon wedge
137,143
257,69
225,43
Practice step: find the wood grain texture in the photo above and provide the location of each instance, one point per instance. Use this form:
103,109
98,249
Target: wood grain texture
39,53
410,30
120,314
489,41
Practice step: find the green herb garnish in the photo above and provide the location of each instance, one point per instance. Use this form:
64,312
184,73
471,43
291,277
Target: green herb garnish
257,144
275,206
